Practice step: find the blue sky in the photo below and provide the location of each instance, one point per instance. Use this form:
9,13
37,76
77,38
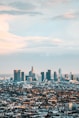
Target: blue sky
42,33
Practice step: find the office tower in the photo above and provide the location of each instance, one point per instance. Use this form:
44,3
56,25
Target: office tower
42,76
60,74
17,75
32,74
55,76
48,75
22,76
32,69
71,76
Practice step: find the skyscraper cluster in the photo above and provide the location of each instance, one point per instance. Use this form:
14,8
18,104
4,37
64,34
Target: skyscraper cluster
20,76
31,76
57,76
48,76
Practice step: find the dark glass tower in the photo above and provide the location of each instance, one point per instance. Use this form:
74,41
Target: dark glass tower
55,76
48,75
42,76
22,76
17,75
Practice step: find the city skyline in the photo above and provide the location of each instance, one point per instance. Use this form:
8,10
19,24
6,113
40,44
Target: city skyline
48,70
42,33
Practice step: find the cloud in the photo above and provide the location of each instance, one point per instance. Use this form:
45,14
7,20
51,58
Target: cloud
69,15
22,5
6,8
4,26
29,7
4,19
66,16
10,43
58,41
19,8
16,12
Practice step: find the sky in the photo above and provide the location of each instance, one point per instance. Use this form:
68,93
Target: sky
39,33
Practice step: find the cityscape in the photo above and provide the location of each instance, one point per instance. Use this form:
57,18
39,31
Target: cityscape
56,95
39,58
45,76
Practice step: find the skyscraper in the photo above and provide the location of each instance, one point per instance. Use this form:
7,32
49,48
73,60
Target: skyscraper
32,69
32,74
71,76
17,75
55,76
22,76
48,75
60,74
42,76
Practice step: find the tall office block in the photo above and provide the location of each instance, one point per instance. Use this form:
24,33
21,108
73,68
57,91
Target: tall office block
60,74
22,76
71,76
32,74
17,75
42,76
48,75
55,76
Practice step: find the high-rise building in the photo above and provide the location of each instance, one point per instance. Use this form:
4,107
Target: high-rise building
59,70
32,74
22,76
42,76
71,76
55,76
48,75
32,69
17,75
60,74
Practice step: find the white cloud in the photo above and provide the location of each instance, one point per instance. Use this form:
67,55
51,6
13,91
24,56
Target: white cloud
10,43
57,41
69,15
4,25
6,8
